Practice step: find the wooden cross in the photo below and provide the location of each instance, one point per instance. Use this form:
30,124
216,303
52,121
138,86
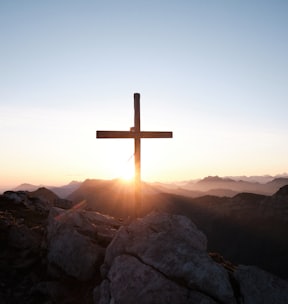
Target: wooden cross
136,133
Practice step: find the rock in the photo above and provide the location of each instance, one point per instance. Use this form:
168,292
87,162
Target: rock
16,197
176,232
77,240
75,254
172,246
40,200
101,293
131,279
157,259
260,287
100,228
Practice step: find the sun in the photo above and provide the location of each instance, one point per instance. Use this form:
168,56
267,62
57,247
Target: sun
126,173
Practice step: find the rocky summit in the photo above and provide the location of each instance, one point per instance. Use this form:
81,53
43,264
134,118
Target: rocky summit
71,255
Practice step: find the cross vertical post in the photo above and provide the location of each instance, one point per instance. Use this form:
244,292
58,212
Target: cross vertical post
137,156
137,134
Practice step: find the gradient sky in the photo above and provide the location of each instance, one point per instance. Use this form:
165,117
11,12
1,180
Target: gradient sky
213,72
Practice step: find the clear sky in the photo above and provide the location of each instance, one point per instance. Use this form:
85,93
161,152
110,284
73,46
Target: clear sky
212,71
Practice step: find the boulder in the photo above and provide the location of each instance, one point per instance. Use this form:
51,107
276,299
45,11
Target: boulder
131,280
171,246
260,287
75,254
76,241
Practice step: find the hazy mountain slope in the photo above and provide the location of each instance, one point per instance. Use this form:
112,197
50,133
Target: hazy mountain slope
66,190
214,182
26,187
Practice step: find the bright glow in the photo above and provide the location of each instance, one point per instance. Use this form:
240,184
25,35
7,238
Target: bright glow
127,172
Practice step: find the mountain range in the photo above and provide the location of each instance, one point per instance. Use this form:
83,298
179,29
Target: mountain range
211,185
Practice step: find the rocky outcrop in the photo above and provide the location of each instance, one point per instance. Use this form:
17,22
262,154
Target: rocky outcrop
259,287
170,248
52,256
79,256
40,200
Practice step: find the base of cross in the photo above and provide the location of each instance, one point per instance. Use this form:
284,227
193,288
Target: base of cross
136,133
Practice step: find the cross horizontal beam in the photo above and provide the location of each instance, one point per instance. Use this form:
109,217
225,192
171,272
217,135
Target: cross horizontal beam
133,134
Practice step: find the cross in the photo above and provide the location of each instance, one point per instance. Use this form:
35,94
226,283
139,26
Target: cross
136,133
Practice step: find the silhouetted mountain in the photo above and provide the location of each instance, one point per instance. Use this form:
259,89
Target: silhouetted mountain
66,190
44,194
113,197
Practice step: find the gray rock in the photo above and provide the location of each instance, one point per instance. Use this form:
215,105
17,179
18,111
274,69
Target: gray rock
174,247
77,240
260,287
178,234
75,254
130,280
101,293
89,223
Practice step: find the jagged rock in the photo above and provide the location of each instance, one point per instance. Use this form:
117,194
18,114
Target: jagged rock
40,200
75,254
173,247
99,227
16,197
21,247
130,279
77,240
38,204
260,287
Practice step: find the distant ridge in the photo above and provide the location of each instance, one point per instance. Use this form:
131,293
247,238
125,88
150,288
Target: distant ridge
62,191
215,179
210,185
223,185
27,187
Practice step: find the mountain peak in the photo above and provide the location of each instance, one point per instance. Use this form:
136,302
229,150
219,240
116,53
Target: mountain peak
216,178
44,194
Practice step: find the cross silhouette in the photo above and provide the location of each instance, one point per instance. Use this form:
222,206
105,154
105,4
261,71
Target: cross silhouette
136,133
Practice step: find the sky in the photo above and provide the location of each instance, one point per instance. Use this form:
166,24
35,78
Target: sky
212,71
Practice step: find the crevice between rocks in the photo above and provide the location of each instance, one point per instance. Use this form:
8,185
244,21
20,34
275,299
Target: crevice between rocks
178,281
236,288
